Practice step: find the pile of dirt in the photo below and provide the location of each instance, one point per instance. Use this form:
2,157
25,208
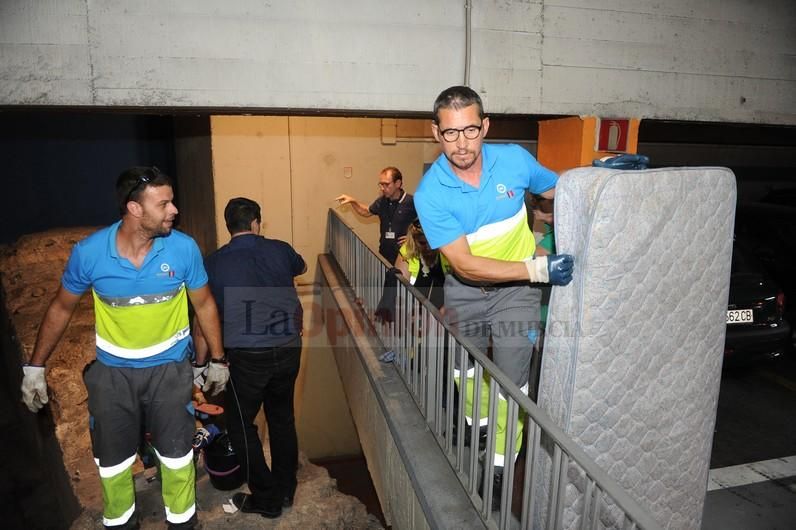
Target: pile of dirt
31,276
32,270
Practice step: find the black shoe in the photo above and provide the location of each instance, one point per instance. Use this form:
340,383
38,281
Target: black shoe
497,488
287,502
245,503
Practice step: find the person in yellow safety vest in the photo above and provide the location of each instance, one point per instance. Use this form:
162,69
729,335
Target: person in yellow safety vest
141,273
424,267
471,205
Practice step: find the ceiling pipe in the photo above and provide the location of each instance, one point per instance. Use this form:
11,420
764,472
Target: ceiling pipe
468,7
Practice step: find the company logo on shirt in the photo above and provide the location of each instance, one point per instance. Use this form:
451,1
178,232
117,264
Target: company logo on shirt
503,193
165,269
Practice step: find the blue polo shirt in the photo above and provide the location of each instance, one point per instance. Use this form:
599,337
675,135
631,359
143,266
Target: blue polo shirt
141,314
251,278
492,217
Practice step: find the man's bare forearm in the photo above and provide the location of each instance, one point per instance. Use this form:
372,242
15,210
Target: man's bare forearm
361,208
209,325
53,325
478,269
487,270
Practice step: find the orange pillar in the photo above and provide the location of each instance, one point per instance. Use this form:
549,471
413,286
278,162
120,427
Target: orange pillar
566,143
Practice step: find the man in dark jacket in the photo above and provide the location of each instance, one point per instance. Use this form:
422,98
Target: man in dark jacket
252,280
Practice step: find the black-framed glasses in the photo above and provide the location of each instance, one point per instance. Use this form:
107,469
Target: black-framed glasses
140,181
471,132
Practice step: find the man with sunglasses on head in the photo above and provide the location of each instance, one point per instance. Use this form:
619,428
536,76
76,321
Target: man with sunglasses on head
141,273
395,208
471,206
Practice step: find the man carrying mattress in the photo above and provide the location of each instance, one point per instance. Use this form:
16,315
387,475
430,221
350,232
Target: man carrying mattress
471,205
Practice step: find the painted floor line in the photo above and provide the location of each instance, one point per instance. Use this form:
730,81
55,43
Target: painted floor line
753,473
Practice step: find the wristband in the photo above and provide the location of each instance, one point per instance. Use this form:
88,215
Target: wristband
223,360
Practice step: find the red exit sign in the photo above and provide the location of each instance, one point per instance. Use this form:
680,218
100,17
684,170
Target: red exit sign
612,135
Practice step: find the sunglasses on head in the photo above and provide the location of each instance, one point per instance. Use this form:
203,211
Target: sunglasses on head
140,181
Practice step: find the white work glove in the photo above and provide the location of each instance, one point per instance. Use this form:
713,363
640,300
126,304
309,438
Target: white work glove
216,378
555,269
199,375
34,388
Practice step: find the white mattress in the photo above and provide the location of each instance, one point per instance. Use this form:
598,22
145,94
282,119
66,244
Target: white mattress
634,345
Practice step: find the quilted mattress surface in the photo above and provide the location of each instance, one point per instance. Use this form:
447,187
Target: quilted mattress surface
634,345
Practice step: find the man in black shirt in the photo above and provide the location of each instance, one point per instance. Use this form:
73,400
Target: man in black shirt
395,208
251,278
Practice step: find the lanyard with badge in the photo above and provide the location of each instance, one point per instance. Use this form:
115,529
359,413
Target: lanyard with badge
389,234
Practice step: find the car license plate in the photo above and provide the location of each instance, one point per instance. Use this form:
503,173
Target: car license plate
740,316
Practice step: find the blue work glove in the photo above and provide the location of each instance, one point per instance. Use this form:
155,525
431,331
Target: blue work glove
559,268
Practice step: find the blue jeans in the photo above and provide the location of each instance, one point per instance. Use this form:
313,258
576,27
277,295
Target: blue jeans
265,377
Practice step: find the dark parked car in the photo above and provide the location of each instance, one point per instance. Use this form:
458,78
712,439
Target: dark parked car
756,327
768,229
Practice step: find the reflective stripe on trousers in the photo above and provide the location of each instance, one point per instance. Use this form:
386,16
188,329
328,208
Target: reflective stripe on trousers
483,421
118,492
178,476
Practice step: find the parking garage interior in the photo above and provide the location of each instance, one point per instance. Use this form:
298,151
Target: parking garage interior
65,161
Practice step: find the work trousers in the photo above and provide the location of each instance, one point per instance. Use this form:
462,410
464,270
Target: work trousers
265,378
508,315
120,402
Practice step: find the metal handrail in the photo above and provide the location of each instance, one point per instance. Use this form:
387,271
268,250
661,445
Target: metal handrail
557,472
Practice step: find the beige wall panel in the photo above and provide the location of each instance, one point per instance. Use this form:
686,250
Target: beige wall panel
295,167
321,150
251,158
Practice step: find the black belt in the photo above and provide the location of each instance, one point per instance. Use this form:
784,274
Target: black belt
496,286
264,350
487,287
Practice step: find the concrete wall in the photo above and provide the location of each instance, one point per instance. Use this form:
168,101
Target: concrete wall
323,420
713,60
